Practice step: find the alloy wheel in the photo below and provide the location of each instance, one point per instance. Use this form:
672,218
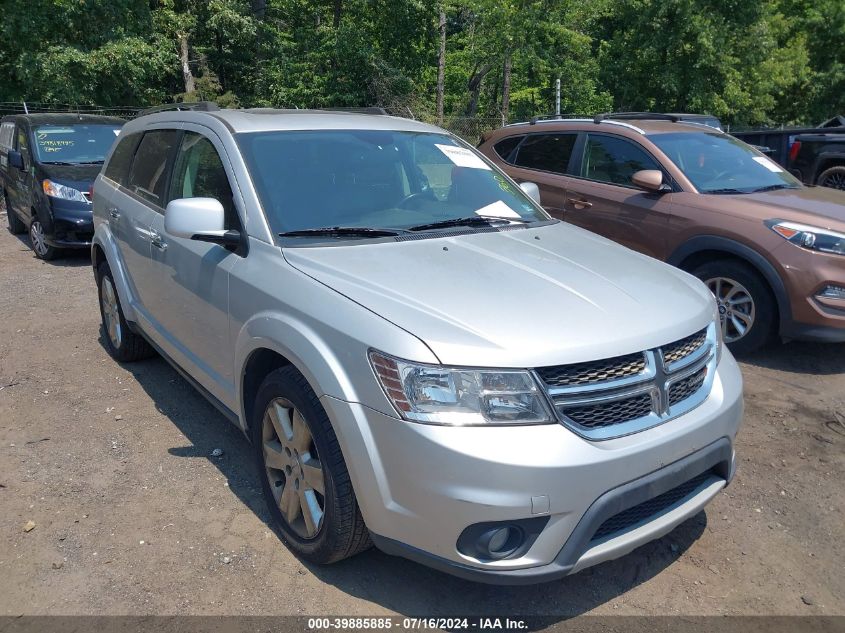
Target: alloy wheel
293,468
736,307
835,180
38,239
111,314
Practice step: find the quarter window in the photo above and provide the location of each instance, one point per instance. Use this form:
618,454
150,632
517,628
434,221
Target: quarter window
147,177
199,173
121,158
23,145
7,133
549,152
505,147
613,160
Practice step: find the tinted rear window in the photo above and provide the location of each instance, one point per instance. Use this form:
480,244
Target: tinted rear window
121,158
148,175
506,146
549,152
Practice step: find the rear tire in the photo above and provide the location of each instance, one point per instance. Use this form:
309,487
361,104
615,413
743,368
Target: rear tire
745,301
16,227
833,177
121,342
304,478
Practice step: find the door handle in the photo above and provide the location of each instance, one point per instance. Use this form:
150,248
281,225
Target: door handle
114,213
158,241
579,204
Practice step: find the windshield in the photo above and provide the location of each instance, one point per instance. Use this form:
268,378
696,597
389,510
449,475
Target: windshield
74,144
376,179
718,163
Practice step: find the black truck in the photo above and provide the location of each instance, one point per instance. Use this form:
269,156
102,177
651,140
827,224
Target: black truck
814,155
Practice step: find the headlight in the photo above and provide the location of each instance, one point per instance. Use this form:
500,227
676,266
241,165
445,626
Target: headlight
437,394
811,237
55,190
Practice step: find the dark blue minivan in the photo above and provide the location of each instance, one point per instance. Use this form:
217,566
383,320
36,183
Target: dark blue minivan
48,163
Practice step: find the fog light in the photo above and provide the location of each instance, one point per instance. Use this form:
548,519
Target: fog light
500,542
832,292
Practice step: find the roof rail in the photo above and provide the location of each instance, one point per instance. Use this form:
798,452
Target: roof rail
653,116
199,106
362,110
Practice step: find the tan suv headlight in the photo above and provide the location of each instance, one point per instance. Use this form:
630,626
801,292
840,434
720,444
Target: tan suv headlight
810,237
437,394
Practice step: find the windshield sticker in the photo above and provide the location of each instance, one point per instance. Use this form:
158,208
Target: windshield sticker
462,157
48,144
116,132
768,164
498,210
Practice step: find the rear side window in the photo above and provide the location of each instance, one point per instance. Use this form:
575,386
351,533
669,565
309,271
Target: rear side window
118,167
148,177
549,152
199,173
613,160
505,147
7,134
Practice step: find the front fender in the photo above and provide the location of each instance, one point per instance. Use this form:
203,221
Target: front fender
104,240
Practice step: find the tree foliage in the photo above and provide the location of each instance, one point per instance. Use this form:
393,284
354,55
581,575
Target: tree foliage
747,61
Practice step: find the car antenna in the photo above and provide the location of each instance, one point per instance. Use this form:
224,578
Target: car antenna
25,109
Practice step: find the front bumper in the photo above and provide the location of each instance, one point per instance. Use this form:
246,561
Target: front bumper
70,224
420,486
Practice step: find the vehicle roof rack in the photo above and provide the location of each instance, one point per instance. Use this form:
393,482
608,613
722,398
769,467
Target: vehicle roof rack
362,110
652,116
198,106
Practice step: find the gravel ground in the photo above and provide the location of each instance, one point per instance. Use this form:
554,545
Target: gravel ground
132,514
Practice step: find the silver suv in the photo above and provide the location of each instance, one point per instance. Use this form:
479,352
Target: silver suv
422,358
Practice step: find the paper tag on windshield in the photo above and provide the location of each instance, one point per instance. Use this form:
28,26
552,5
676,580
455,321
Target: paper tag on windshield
462,157
116,132
497,210
768,164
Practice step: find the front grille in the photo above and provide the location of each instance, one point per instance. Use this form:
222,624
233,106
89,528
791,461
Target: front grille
679,350
593,372
638,390
648,509
683,389
607,413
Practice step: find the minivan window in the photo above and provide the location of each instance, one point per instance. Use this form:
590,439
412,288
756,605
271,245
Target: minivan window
549,152
718,163
506,146
613,160
147,177
376,179
199,173
23,144
74,144
118,166
7,132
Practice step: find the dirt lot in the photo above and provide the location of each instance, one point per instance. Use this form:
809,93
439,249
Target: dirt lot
133,515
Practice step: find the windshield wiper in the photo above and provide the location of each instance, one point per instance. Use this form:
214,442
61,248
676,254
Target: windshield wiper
773,188
341,231
475,220
56,162
88,162
725,191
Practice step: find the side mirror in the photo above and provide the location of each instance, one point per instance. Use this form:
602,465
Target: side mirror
200,219
650,180
532,190
16,159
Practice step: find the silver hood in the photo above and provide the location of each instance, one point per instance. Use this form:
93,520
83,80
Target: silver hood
521,298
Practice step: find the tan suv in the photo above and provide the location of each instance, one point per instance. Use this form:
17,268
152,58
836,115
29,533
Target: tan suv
770,249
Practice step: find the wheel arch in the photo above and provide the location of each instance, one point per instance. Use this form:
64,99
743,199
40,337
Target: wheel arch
704,248
826,161
104,249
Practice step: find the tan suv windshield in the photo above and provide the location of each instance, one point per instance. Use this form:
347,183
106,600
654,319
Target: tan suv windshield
716,163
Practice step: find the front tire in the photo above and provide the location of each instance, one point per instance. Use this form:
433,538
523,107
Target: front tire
38,242
121,342
747,308
304,478
833,177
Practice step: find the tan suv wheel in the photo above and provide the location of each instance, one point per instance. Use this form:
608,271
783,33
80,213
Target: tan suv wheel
747,309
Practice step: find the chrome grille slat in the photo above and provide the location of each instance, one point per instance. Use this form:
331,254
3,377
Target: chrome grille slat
626,394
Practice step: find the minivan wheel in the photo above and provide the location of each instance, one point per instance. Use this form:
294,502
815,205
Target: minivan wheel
122,343
304,477
38,241
833,177
15,225
747,309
